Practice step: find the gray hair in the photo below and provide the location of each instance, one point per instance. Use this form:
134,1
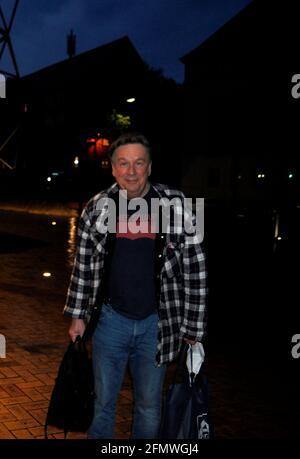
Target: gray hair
128,138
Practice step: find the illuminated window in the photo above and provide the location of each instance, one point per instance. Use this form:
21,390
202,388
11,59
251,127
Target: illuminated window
105,163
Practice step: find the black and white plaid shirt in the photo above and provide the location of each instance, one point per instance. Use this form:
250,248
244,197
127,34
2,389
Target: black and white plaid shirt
182,302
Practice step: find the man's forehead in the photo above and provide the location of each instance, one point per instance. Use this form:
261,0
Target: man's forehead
132,151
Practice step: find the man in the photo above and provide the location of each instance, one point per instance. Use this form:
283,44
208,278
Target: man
148,281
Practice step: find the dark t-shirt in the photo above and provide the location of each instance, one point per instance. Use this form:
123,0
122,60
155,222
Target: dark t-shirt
131,283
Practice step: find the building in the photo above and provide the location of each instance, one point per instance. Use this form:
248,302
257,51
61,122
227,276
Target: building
239,116
74,108
69,103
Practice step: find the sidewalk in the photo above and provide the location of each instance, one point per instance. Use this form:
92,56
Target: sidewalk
68,209
33,325
36,336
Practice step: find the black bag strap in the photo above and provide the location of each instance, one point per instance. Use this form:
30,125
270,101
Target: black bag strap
46,432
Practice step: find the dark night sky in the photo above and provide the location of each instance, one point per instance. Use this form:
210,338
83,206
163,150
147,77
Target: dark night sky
161,30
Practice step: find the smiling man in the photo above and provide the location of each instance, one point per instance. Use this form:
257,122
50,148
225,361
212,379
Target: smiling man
131,167
149,285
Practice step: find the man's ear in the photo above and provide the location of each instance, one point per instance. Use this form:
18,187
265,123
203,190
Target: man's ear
149,169
113,169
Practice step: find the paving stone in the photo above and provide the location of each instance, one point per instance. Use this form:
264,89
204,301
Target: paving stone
37,432
19,412
35,405
14,400
8,372
3,394
39,415
22,433
5,434
7,417
5,381
22,424
12,390
33,394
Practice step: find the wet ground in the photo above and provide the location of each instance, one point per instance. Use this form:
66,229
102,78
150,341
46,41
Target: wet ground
253,314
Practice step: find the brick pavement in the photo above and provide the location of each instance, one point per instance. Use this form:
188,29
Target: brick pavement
31,321
246,401
27,373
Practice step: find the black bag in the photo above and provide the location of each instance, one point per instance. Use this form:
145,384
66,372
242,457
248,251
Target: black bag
71,404
185,409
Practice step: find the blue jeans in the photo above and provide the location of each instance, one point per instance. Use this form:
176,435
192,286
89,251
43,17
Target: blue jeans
117,341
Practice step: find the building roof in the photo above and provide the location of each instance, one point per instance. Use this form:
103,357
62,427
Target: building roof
260,39
236,26
98,61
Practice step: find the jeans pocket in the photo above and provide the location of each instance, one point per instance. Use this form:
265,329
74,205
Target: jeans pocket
106,313
107,309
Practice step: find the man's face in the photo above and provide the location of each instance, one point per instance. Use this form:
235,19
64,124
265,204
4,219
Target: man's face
131,168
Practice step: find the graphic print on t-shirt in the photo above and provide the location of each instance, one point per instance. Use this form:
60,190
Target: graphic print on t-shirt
135,228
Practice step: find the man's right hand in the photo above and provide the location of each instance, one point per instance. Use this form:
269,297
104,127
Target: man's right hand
77,328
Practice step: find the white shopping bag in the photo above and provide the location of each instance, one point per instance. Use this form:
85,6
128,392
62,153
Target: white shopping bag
194,359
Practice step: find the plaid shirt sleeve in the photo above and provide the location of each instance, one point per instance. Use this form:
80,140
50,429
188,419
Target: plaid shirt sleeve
80,284
195,289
